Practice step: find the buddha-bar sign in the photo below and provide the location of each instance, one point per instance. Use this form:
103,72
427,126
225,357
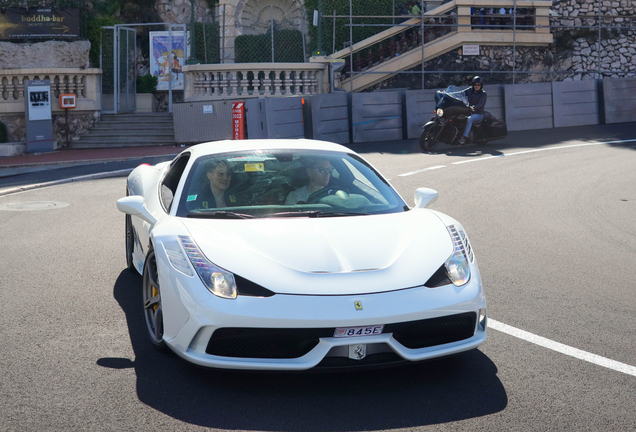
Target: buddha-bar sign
39,23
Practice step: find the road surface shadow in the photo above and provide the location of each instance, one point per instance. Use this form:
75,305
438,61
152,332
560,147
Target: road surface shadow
440,391
515,139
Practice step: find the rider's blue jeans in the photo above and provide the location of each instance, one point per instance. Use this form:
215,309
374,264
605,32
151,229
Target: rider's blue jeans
469,122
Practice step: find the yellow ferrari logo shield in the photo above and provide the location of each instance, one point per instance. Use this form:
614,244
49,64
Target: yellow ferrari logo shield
358,305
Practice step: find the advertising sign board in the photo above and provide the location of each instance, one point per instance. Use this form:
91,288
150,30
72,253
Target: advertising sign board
160,65
39,124
238,120
39,101
39,23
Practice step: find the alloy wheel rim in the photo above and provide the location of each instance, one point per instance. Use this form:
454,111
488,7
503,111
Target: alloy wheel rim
152,302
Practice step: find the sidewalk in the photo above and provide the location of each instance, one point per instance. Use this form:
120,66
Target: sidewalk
65,156
26,163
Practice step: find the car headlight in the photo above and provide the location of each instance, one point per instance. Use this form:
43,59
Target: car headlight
440,112
458,264
219,282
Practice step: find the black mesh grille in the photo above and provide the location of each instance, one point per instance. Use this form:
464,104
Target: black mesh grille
292,343
265,343
434,331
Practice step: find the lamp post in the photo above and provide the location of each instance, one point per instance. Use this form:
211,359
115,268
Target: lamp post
193,47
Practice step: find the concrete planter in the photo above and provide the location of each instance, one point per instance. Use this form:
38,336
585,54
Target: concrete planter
145,102
12,149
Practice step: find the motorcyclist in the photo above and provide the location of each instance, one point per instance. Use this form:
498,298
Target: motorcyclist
476,101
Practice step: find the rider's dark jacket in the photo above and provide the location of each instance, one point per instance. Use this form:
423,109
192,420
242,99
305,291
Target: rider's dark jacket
476,99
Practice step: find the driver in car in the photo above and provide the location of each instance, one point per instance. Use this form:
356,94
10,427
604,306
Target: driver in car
319,173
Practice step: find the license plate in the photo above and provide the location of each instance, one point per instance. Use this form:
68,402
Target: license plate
342,332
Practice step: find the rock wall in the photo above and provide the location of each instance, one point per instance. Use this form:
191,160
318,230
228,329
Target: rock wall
575,54
80,123
179,11
49,54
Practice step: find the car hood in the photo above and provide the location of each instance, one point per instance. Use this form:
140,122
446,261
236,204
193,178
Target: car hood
328,256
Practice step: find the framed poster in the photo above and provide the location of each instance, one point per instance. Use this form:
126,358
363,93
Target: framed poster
161,65
39,103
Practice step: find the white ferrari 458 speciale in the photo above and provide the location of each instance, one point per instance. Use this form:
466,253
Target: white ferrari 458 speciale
295,254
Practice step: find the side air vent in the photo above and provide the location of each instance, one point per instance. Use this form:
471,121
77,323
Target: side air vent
439,278
248,288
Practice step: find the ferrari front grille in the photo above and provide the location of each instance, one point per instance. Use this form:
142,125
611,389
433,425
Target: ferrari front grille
284,343
265,342
434,331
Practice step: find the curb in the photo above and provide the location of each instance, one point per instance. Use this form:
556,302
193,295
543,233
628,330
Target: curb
10,191
79,161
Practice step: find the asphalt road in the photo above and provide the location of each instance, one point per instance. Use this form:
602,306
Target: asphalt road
551,217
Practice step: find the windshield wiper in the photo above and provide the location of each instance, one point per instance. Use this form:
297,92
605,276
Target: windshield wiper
310,213
332,214
219,214
315,214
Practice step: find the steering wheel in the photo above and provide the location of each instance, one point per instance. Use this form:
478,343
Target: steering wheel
326,191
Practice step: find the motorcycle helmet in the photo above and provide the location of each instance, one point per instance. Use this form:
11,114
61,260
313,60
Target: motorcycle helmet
477,80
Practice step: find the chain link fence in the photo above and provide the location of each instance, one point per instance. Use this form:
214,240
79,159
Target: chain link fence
592,39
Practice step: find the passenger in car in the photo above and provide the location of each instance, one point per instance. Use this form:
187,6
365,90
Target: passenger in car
319,173
219,174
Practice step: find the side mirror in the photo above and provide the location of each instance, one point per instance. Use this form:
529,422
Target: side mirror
135,206
424,197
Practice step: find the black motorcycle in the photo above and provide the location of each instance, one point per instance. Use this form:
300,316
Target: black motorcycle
451,112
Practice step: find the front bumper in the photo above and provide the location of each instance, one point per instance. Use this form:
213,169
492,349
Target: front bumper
325,313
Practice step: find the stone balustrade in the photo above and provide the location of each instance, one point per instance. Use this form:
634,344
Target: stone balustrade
245,80
84,83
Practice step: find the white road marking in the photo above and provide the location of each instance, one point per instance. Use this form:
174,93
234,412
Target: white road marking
422,170
543,149
480,159
562,348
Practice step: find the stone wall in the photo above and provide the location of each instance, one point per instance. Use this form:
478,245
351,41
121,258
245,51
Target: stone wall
50,54
179,11
574,55
80,123
617,51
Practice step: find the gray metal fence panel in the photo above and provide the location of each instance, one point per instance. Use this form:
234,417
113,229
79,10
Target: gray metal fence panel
329,117
575,103
285,117
256,118
420,105
620,100
377,116
528,106
193,123
495,103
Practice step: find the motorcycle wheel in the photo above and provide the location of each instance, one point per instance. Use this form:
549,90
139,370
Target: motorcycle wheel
428,140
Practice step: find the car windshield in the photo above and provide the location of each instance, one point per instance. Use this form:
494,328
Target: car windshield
285,183
457,93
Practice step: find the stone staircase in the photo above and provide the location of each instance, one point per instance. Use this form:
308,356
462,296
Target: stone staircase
129,130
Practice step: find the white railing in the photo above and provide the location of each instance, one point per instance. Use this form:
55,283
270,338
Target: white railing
244,80
84,83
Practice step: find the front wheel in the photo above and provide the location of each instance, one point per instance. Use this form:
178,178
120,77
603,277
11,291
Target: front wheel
428,139
153,310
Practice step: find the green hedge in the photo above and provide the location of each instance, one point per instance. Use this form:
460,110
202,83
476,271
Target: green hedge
207,51
147,84
288,47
